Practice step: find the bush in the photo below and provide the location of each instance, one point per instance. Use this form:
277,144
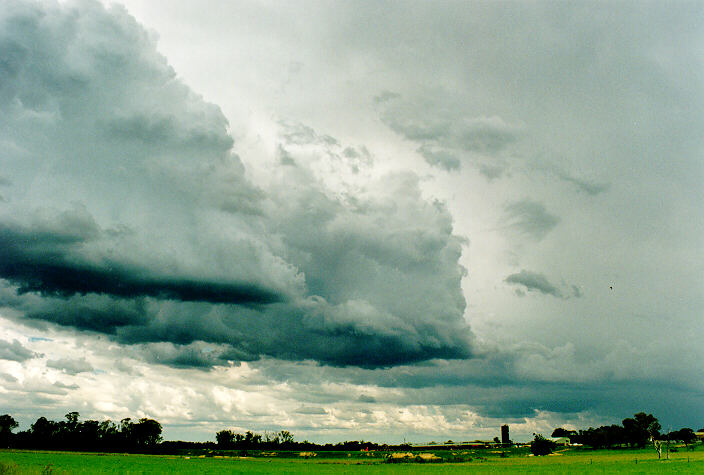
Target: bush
541,445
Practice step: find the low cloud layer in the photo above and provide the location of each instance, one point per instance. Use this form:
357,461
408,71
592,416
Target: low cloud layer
139,222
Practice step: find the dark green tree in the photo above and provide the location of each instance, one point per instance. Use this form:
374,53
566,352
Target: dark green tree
541,446
7,425
88,436
72,420
42,433
686,435
146,433
641,428
225,439
108,434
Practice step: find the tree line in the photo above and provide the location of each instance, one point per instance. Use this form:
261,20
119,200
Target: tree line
636,431
144,435
284,440
71,434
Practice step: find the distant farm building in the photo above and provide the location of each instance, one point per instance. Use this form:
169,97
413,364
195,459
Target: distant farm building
505,440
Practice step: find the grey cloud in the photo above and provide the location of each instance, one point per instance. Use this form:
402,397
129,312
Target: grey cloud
589,187
530,218
483,370
533,281
491,172
15,351
42,261
71,366
129,215
193,355
448,136
485,134
92,312
440,158
510,382
8,377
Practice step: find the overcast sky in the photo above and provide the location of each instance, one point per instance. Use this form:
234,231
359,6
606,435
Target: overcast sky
352,220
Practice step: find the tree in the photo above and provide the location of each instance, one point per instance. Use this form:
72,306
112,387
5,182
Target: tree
225,439
686,435
108,434
72,420
68,431
541,446
649,423
89,435
286,437
560,432
146,433
640,428
7,425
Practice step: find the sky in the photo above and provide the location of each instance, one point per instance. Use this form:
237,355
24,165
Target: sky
352,220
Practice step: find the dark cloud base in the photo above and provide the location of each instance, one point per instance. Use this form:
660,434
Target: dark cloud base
39,263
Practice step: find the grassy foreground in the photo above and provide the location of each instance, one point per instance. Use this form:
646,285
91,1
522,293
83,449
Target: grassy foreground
476,461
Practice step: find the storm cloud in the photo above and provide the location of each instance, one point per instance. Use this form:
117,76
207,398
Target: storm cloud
127,213
39,260
288,250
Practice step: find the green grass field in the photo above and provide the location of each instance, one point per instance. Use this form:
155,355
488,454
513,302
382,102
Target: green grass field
482,461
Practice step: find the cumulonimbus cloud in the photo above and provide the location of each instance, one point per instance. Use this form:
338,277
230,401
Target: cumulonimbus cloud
126,212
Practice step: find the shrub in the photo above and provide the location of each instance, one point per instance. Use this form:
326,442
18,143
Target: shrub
541,445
